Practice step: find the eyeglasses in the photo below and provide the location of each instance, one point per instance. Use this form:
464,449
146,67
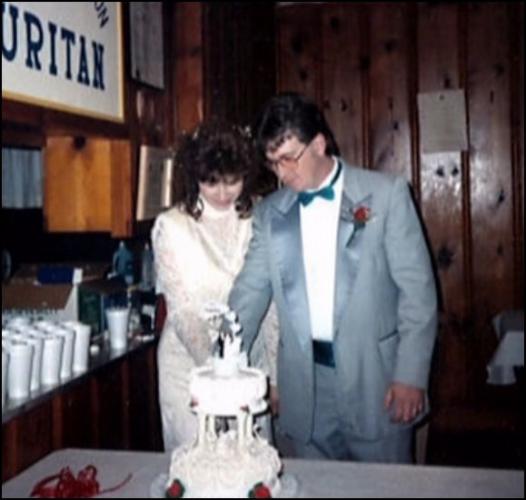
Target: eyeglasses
285,161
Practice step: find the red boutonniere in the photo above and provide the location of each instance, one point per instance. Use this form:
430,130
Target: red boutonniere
260,491
361,216
176,490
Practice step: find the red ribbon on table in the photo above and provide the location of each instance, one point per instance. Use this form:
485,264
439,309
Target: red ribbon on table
85,485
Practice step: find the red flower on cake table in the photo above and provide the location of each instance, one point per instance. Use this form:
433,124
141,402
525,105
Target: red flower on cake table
260,490
176,490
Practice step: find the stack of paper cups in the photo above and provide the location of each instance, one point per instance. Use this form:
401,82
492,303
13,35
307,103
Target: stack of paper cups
23,335
52,359
81,348
17,322
44,325
6,333
19,369
66,366
36,339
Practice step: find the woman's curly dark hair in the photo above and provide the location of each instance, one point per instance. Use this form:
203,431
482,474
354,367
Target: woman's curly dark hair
213,151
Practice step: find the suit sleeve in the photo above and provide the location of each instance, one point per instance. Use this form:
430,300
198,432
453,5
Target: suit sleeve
411,270
251,293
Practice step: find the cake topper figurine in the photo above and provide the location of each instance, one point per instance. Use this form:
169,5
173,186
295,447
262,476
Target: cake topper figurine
223,328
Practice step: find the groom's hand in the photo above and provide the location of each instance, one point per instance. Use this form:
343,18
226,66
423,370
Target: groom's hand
405,402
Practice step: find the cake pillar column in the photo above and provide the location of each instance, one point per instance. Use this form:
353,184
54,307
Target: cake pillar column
201,432
248,426
211,428
241,428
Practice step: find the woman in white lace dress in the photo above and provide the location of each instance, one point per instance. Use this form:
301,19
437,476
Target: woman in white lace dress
199,246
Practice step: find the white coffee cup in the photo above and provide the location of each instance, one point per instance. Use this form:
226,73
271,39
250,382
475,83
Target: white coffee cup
81,348
118,318
52,359
19,369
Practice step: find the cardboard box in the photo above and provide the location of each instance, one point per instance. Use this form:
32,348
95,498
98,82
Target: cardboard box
84,271
58,301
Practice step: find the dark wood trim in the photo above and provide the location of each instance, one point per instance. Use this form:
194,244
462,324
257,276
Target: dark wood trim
57,428
516,19
125,404
365,64
412,73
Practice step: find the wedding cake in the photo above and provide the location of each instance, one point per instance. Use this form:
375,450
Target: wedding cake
225,463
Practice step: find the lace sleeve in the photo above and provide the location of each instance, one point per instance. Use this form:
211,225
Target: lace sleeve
182,314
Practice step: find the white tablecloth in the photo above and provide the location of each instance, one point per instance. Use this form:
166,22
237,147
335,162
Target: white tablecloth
316,479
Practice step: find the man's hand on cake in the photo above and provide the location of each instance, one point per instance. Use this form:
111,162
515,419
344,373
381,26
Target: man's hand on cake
405,402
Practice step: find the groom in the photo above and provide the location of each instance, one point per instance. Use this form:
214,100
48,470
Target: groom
340,250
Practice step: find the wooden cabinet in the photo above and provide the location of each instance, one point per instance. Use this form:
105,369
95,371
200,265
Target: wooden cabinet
114,407
88,185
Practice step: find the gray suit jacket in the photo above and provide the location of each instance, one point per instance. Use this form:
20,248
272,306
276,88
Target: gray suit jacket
385,311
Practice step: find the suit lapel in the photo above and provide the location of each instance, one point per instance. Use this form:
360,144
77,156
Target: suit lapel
349,244
287,248
344,267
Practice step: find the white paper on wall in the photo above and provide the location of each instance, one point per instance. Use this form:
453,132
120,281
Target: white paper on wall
442,120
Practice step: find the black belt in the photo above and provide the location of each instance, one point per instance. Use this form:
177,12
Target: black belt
323,353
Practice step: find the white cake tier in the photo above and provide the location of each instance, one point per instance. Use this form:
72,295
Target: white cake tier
224,469
224,389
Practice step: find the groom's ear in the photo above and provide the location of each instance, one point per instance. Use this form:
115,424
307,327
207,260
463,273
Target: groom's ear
319,143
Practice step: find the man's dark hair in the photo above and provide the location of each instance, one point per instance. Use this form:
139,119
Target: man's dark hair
292,113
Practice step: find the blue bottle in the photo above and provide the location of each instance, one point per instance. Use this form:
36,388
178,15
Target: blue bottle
147,268
123,263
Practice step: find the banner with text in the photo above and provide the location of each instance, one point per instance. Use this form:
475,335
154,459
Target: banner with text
66,56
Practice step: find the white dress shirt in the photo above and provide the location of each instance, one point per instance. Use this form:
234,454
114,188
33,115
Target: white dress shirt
319,234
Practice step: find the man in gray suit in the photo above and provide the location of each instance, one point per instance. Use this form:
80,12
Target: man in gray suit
341,252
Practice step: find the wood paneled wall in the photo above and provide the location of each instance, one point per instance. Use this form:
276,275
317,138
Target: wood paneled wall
239,65
365,63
